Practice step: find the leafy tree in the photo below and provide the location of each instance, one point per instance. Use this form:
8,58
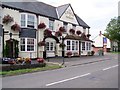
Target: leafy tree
113,30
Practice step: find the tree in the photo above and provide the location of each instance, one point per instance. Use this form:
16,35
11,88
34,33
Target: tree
113,30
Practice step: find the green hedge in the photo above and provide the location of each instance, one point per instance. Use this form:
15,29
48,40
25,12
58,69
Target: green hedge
17,67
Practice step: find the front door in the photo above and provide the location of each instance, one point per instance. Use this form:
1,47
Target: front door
11,49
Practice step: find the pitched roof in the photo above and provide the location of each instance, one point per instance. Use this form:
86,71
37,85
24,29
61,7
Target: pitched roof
81,22
61,9
41,8
34,7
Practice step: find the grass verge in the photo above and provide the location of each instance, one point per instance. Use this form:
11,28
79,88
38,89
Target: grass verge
115,52
23,71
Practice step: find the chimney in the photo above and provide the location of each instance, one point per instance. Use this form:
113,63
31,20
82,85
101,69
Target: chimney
100,33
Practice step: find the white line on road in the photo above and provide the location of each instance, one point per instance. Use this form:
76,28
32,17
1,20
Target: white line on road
110,67
68,79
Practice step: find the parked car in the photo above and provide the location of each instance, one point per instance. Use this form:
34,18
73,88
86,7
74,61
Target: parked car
6,60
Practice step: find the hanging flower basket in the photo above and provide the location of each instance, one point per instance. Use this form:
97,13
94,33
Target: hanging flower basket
42,43
62,45
83,36
62,29
7,19
47,32
78,32
41,26
72,31
88,35
15,27
58,34
69,54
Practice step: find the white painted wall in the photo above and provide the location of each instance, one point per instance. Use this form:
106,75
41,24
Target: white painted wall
98,41
65,16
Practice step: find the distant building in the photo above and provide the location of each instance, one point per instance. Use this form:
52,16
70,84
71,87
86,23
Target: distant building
101,42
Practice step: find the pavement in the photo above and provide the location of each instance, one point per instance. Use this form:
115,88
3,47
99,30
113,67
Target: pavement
101,74
73,61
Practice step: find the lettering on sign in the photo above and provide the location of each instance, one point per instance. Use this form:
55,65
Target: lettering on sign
69,14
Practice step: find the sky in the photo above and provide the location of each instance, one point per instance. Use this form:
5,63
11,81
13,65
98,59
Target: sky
96,13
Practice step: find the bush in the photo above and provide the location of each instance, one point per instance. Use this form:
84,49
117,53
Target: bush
92,53
17,67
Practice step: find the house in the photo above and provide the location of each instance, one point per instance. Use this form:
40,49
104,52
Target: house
100,42
0,40
36,29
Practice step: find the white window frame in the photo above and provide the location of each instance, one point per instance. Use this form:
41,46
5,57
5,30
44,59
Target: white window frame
65,25
50,44
68,46
83,48
26,20
87,46
51,25
26,45
74,27
73,45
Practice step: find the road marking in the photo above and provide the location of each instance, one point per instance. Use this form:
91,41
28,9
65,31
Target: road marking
68,79
110,67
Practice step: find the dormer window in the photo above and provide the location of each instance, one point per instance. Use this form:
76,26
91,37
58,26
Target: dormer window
28,20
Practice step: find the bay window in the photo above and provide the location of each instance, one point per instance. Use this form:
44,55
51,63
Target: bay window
27,44
87,46
83,45
49,46
73,45
28,20
68,45
76,45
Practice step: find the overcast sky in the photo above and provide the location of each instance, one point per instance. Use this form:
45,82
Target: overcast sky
96,13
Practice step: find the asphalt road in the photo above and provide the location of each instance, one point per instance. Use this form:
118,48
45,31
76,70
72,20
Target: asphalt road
102,74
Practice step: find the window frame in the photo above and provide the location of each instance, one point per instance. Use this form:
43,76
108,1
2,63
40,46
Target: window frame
65,25
51,25
26,45
48,48
83,47
68,46
26,21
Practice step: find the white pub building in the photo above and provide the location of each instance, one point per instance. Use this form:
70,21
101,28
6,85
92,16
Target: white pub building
36,29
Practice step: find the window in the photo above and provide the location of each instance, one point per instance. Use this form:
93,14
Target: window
76,45
28,20
22,44
30,44
49,46
65,25
73,45
51,24
27,44
68,45
87,46
83,45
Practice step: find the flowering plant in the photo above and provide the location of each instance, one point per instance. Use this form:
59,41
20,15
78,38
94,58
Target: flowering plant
69,53
72,31
88,35
78,32
47,32
62,29
58,33
27,60
42,43
15,27
40,60
7,19
41,26
83,36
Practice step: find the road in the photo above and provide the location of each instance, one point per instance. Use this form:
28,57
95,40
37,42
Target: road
102,74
